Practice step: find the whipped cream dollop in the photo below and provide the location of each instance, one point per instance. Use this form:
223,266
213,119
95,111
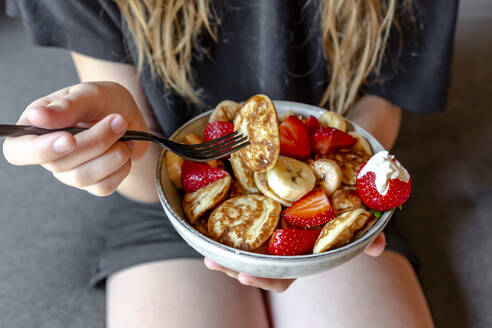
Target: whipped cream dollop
385,167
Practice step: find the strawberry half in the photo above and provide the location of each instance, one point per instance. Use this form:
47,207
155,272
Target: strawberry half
327,139
198,175
294,138
394,182
292,241
215,130
312,124
312,210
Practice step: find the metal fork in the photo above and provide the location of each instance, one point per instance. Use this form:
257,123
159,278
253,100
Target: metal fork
203,152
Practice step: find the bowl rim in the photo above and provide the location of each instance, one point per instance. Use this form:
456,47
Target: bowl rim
371,233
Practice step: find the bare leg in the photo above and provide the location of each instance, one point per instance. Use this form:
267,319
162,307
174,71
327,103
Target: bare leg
181,293
365,292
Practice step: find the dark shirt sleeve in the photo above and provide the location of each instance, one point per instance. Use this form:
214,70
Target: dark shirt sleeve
90,27
418,79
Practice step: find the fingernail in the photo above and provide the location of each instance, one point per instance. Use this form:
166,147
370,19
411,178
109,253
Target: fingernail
243,279
118,124
62,144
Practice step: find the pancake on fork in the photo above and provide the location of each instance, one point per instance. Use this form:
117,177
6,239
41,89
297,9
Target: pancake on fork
257,119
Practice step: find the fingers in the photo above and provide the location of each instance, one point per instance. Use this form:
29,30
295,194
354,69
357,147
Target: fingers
83,105
30,149
376,248
85,102
97,169
109,184
91,143
273,285
217,267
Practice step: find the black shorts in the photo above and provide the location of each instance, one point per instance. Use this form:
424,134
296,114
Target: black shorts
139,233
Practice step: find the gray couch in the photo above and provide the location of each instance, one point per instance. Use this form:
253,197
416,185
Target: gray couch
46,251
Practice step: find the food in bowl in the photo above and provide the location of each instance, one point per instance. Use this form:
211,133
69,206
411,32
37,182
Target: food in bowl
294,190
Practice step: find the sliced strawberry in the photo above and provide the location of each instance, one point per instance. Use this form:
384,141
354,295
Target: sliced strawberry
312,210
312,124
197,175
292,241
327,139
294,138
215,130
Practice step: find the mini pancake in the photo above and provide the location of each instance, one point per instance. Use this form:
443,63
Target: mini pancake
344,200
225,111
349,163
245,222
340,231
257,119
243,174
372,220
195,204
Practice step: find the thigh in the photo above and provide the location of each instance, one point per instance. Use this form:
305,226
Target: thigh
181,293
365,292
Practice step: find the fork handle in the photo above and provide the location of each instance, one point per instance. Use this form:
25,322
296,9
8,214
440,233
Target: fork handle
8,130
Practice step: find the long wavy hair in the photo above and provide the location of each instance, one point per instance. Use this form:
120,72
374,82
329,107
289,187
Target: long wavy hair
355,36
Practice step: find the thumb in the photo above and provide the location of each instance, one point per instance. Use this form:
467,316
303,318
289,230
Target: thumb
84,103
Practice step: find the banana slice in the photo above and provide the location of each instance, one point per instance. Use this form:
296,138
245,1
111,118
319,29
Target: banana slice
262,184
328,173
349,163
340,231
195,204
173,168
334,120
290,179
244,222
361,145
225,111
243,174
257,119
344,200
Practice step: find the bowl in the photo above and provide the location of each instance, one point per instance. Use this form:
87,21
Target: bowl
260,265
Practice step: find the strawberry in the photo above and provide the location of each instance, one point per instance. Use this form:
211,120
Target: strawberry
294,138
292,241
312,124
326,140
197,175
394,190
312,210
214,130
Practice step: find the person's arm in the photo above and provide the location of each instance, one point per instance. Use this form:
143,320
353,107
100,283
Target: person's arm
93,160
140,183
379,117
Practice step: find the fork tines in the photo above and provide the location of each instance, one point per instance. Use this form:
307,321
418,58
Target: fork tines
213,149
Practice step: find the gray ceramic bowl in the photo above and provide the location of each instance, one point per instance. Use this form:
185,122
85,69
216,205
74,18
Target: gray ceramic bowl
267,266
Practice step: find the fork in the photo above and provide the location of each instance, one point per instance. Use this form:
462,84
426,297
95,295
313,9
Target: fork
202,152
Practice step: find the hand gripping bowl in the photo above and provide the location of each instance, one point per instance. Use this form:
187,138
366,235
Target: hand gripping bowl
260,265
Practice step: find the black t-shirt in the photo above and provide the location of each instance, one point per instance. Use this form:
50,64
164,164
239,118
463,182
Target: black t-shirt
265,46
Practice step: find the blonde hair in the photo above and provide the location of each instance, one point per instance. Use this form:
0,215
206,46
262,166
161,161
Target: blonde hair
355,34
